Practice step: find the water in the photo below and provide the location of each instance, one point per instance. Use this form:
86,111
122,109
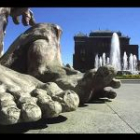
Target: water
115,60
104,59
96,64
125,61
132,62
129,62
135,62
107,61
100,61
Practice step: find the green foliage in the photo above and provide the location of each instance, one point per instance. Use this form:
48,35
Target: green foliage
127,77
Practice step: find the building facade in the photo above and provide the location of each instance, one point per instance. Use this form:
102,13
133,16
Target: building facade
98,42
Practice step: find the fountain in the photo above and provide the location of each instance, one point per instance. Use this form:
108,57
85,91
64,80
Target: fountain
128,64
107,61
100,61
104,59
132,63
125,62
115,52
135,62
96,64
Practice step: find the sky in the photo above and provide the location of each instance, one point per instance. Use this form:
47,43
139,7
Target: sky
75,20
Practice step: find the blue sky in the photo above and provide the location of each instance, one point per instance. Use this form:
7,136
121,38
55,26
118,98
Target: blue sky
75,20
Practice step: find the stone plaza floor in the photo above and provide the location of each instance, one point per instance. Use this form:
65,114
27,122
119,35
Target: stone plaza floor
120,115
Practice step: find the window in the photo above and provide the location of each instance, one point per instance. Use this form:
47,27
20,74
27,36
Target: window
82,51
83,59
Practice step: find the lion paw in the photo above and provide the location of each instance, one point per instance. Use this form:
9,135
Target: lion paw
42,102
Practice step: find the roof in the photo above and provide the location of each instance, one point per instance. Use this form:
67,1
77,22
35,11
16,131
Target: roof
81,34
101,33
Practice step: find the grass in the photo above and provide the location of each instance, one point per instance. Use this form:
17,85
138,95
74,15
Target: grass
128,77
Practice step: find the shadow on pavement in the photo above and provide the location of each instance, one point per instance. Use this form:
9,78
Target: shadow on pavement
84,105
24,127
96,101
59,119
100,101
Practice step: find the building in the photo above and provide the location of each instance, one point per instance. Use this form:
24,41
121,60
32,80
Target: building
139,65
98,42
